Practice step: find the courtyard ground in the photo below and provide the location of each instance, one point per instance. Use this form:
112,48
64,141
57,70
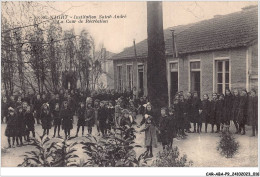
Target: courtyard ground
200,148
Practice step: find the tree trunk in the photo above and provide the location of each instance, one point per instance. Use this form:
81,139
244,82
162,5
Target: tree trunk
156,63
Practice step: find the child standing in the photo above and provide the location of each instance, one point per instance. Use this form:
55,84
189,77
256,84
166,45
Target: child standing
213,106
189,110
20,127
252,112
67,118
196,103
118,110
102,118
10,131
81,118
182,116
96,108
46,119
90,117
29,122
163,127
150,134
235,106
205,111
56,119
242,111
172,127
228,100
37,108
219,113
111,114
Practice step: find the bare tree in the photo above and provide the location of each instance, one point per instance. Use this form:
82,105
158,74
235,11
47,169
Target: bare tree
83,55
54,53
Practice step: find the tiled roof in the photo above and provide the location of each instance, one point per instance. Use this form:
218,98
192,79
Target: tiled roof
221,32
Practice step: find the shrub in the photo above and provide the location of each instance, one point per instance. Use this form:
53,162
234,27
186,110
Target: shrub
227,146
49,154
63,156
169,157
116,150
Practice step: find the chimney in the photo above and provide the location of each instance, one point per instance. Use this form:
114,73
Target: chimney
174,47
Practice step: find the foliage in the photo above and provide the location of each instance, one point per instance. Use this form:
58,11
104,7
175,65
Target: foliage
227,146
170,158
36,51
49,154
115,150
64,155
41,156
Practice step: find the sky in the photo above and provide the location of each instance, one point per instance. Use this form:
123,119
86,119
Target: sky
120,33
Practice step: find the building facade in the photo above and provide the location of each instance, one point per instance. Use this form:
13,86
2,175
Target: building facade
208,56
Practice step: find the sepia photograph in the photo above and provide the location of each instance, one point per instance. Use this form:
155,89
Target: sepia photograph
129,84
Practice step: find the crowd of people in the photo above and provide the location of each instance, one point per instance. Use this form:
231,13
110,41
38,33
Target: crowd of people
106,111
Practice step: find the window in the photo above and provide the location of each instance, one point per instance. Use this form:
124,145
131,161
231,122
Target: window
119,78
129,71
195,76
222,76
173,67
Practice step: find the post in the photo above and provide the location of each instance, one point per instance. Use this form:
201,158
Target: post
156,63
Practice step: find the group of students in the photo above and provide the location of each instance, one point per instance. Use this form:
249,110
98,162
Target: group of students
172,123
58,111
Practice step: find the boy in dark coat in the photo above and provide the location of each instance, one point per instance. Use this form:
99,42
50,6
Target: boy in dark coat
219,113
235,108
46,119
182,115
196,103
56,119
20,126
29,122
37,108
10,131
81,118
67,118
252,111
164,127
102,118
111,115
242,112
205,111
228,101
213,115
172,127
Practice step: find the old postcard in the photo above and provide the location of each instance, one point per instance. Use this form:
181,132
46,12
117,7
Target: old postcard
130,84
